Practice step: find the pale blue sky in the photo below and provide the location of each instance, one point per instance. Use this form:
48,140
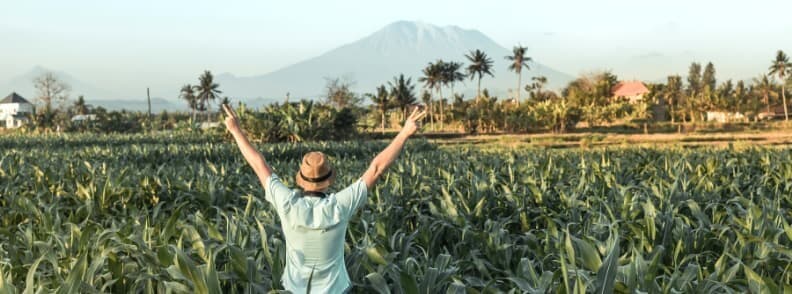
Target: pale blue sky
129,44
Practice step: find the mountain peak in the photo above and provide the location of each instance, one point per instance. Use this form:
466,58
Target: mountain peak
421,29
420,26
38,70
24,84
412,37
399,47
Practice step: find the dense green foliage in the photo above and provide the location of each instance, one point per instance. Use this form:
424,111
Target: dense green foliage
590,98
299,121
186,214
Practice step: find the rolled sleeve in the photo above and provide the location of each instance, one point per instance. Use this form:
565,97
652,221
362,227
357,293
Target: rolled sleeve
352,197
275,192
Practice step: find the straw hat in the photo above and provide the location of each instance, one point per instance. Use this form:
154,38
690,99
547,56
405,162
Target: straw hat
315,172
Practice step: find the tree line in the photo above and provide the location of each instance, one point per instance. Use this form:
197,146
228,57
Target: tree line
588,99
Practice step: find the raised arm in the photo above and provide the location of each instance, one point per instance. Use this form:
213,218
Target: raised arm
385,158
253,157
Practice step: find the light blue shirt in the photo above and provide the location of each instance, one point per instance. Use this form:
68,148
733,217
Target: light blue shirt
315,229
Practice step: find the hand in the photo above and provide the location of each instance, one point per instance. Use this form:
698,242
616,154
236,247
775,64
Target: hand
231,122
411,125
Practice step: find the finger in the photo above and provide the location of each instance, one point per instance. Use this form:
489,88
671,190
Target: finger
417,113
230,111
415,109
421,115
233,112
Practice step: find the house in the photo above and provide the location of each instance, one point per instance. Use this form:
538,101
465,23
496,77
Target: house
776,112
632,91
14,111
722,117
83,117
209,125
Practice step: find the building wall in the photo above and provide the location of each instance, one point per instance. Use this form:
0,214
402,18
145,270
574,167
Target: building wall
632,99
25,108
14,108
718,116
12,123
8,110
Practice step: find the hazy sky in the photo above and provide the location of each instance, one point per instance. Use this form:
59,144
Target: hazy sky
131,44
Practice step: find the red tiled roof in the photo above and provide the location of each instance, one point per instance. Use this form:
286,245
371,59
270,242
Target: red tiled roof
630,88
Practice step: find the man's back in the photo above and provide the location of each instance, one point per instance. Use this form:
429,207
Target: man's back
315,228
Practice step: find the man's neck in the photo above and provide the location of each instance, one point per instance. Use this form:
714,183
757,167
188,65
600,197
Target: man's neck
319,194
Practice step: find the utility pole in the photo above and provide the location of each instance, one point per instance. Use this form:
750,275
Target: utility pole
148,95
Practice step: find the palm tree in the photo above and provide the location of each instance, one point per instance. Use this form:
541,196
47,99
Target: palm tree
518,61
188,94
480,65
79,106
781,68
451,75
433,79
764,88
402,92
535,88
225,101
207,90
382,100
672,93
743,100
426,97
643,112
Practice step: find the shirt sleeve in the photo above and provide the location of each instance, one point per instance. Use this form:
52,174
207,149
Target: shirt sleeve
275,192
352,197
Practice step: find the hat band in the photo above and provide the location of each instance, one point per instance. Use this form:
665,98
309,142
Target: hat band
316,180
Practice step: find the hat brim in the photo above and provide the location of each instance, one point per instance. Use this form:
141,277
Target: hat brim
318,186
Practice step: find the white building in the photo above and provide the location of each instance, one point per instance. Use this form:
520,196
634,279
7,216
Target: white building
209,125
719,116
83,117
14,110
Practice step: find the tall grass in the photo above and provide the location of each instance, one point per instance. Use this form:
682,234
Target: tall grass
186,215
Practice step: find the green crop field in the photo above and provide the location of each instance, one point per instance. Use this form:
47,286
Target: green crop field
185,214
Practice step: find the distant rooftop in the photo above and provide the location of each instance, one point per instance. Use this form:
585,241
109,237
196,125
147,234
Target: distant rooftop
629,88
13,98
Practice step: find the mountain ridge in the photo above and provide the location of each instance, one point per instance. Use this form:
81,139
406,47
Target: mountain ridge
24,84
400,47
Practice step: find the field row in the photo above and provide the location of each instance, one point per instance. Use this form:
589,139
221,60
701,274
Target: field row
185,214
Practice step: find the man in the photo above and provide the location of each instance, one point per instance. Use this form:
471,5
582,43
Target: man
313,220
